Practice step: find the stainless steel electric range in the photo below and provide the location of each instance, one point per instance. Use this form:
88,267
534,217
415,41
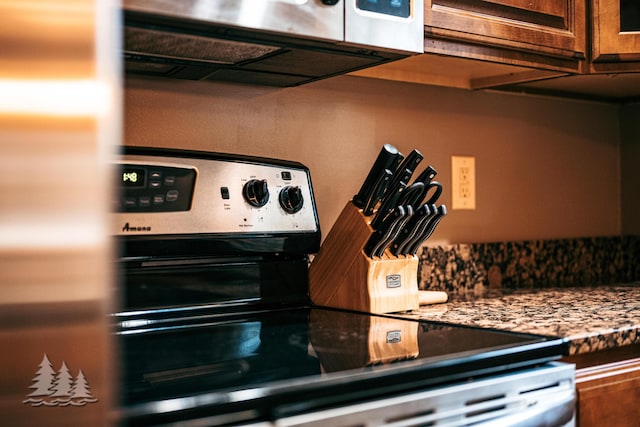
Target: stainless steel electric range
215,325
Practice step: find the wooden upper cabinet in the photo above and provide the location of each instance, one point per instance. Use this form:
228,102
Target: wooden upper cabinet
548,34
616,31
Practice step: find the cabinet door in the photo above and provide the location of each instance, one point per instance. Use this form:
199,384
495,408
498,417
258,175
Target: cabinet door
547,28
608,395
616,30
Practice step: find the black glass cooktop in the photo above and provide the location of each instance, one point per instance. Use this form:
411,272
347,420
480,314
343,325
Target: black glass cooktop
300,358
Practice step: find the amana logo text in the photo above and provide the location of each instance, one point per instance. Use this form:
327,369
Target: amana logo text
128,227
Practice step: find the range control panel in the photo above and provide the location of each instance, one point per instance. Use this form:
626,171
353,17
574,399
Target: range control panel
155,188
205,193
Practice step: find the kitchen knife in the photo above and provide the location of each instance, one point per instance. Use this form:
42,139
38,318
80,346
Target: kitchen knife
393,166
422,231
380,188
408,166
427,175
385,159
399,183
397,225
388,204
410,230
419,231
384,229
431,226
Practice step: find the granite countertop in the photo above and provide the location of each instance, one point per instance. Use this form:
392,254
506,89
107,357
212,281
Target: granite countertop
591,318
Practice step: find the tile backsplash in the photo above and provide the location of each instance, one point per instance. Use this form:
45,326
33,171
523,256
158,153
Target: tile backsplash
476,268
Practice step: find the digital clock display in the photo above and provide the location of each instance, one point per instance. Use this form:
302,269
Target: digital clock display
133,177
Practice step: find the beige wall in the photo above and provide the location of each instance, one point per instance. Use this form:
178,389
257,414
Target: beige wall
630,170
545,168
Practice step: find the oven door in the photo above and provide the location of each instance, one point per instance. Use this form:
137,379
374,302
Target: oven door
536,397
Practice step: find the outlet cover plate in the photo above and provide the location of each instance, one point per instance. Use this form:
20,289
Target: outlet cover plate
463,182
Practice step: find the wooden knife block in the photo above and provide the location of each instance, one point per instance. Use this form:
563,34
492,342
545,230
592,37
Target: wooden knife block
342,276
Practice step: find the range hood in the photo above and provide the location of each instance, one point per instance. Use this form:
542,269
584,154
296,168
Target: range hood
267,42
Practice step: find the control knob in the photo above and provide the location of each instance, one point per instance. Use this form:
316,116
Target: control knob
256,192
291,199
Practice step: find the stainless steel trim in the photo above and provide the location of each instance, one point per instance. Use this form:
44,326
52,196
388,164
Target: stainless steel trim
210,213
550,413
535,397
307,18
385,31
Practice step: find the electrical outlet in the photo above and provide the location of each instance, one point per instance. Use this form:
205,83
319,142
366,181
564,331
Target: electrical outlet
463,182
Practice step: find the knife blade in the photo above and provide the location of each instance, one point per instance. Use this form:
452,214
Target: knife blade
385,159
384,229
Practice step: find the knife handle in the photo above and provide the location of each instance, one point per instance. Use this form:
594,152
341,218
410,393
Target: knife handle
385,158
429,213
389,202
380,188
396,227
407,167
429,229
410,230
427,175
385,229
